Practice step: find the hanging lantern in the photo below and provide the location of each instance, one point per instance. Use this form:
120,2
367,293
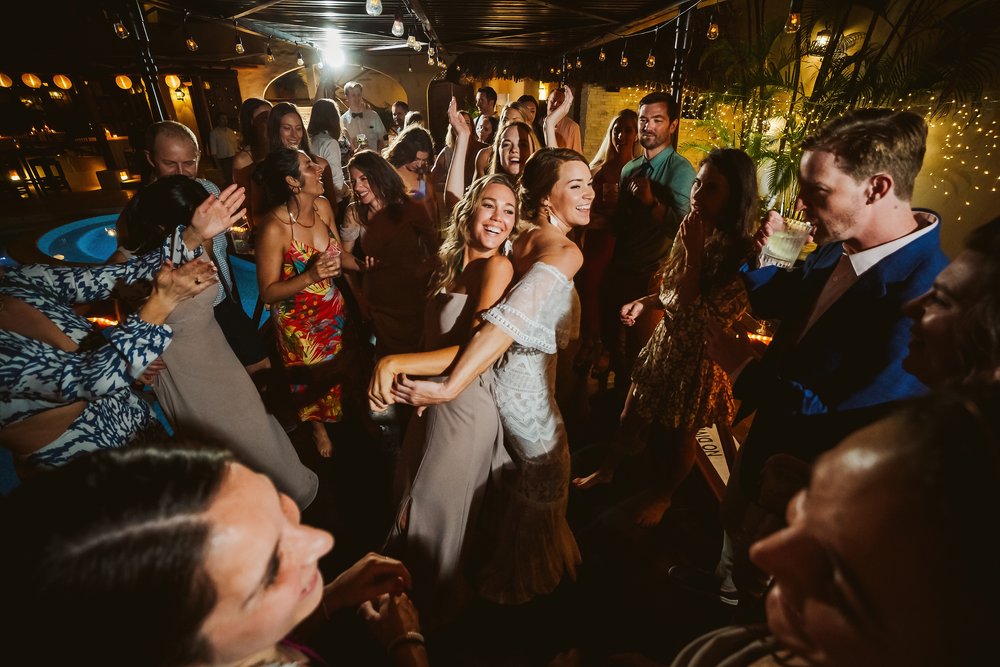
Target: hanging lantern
5,81
172,80
713,29
62,81
823,38
31,80
123,82
269,54
601,55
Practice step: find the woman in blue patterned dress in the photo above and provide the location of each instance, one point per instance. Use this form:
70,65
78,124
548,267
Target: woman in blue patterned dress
65,389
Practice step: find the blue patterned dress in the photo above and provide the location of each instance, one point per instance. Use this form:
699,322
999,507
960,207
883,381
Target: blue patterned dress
35,376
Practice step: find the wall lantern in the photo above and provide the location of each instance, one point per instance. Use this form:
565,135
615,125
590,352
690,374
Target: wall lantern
31,80
123,82
5,81
172,80
62,81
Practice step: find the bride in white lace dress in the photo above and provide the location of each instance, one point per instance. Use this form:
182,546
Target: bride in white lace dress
531,546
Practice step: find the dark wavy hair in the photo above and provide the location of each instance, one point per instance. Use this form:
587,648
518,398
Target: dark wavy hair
108,551
404,148
325,117
157,209
539,175
729,244
271,173
247,109
279,111
382,178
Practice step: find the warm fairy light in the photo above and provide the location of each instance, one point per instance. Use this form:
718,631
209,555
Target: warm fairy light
373,7
62,81
172,80
31,80
123,82
5,81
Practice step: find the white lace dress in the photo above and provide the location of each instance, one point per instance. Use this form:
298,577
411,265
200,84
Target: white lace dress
533,546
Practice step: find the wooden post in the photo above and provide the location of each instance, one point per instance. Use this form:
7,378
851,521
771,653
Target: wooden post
147,67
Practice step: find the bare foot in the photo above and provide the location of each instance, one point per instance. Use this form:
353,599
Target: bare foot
651,512
322,440
599,476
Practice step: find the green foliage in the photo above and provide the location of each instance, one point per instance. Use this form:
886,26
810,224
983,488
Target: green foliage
929,55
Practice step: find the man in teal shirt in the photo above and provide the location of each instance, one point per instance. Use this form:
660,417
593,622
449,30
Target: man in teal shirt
655,196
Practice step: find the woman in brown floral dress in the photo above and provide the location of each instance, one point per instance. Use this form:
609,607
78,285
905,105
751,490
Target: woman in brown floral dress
675,385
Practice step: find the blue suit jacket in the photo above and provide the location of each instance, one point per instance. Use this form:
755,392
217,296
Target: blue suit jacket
852,355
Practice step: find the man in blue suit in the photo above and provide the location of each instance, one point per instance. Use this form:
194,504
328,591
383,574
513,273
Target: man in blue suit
843,333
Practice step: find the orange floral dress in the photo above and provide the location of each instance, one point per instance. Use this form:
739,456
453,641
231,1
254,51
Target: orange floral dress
309,329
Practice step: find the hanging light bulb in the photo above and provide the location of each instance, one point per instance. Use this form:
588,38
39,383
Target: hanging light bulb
794,21
411,41
624,59
823,38
269,55
430,49
650,60
240,50
579,62
299,60
373,7
189,41
602,56
430,58
418,47
409,64
397,24
121,32
713,29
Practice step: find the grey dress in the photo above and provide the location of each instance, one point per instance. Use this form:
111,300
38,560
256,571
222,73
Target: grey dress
207,396
444,473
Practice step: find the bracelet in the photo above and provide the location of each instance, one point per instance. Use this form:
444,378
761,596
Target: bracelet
410,637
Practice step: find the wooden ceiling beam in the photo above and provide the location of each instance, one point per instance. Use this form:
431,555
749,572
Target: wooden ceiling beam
253,10
572,10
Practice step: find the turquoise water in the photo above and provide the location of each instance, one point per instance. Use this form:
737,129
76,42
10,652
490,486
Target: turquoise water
93,240
88,241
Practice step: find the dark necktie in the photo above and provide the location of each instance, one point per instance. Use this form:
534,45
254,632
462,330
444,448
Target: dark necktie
357,115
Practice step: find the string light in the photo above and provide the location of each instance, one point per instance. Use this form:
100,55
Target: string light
397,25
373,7
430,50
794,21
299,60
269,54
601,55
240,50
624,59
651,59
579,62
189,40
713,29
121,32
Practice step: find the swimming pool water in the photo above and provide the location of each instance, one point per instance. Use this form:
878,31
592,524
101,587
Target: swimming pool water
89,241
93,240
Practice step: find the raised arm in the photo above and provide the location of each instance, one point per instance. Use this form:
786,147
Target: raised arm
454,188
556,112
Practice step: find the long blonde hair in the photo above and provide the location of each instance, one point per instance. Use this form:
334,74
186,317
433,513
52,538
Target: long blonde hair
607,152
451,254
494,164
